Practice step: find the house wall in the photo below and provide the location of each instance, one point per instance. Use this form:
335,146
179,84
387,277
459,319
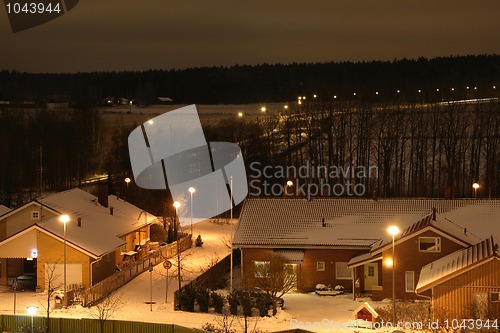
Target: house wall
22,220
104,267
308,276
409,258
52,250
455,298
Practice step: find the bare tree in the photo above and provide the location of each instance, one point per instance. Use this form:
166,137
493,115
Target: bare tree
106,308
274,278
52,285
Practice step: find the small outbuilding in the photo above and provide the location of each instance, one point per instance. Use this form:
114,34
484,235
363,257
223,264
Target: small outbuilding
364,316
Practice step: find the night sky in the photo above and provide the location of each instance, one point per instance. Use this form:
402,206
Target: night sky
105,35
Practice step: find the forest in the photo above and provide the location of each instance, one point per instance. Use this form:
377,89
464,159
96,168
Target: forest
420,146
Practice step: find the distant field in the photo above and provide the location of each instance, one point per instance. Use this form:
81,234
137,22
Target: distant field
127,116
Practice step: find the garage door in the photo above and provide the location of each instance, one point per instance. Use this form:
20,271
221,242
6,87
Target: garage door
55,272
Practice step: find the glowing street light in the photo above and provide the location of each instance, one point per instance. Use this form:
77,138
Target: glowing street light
191,191
32,311
263,109
127,181
393,230
475,186
240,114
64,219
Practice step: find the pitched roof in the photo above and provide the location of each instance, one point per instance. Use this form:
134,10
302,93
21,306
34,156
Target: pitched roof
296,222
454,263
99,232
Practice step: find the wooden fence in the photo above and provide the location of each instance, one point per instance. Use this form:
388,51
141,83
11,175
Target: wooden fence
11,324
94,294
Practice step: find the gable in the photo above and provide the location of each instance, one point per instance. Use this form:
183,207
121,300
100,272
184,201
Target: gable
24,217
20,246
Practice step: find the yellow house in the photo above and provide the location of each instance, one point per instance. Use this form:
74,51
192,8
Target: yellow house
101,230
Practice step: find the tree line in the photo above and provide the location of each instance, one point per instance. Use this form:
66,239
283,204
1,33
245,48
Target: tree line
416,80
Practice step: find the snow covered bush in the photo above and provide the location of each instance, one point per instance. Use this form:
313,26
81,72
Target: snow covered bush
198,242
187,296
203,299
217,302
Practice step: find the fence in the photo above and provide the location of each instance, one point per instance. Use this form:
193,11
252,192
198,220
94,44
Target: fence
207,278
11,323
94,294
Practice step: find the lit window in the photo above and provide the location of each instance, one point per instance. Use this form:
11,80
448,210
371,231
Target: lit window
261,268
320,266
35,215
342,272
495,296
410,281
429,244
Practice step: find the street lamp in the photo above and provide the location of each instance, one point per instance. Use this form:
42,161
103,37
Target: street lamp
191,191
177,204
64,219
393,230
31,311
289,184
127,181
475,186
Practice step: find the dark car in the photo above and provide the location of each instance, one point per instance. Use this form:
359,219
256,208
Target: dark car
26,282
258,295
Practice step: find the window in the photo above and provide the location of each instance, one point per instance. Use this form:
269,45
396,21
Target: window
410,281
342,272
495,296
429,244
261,268
320,266
35,215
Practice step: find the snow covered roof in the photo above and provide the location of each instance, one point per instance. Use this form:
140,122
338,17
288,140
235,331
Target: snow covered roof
4,210
297,222
99,232
449,266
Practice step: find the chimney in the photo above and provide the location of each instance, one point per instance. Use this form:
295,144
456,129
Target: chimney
323,222
111,210
434,210
79,220
102,194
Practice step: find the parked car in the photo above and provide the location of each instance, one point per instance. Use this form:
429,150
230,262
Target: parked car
324,290
26,282
256,295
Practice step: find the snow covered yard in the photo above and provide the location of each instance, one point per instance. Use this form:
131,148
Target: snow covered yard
307,311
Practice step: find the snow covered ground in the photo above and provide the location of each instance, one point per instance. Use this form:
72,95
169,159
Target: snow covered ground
307,311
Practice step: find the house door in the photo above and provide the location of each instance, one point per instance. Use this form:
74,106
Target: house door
291,275
371,276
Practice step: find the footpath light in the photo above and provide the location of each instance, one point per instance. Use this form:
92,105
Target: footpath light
150,269
475,186
32,311
64,219
393,230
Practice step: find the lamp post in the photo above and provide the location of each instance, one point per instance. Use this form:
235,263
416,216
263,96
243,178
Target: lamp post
191,191
177,204
231,236
31,311
393,230
127,181
64,219
475,186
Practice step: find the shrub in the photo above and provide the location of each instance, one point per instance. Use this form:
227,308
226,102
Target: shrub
232,299
198,242
203,299
187,296
217,302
